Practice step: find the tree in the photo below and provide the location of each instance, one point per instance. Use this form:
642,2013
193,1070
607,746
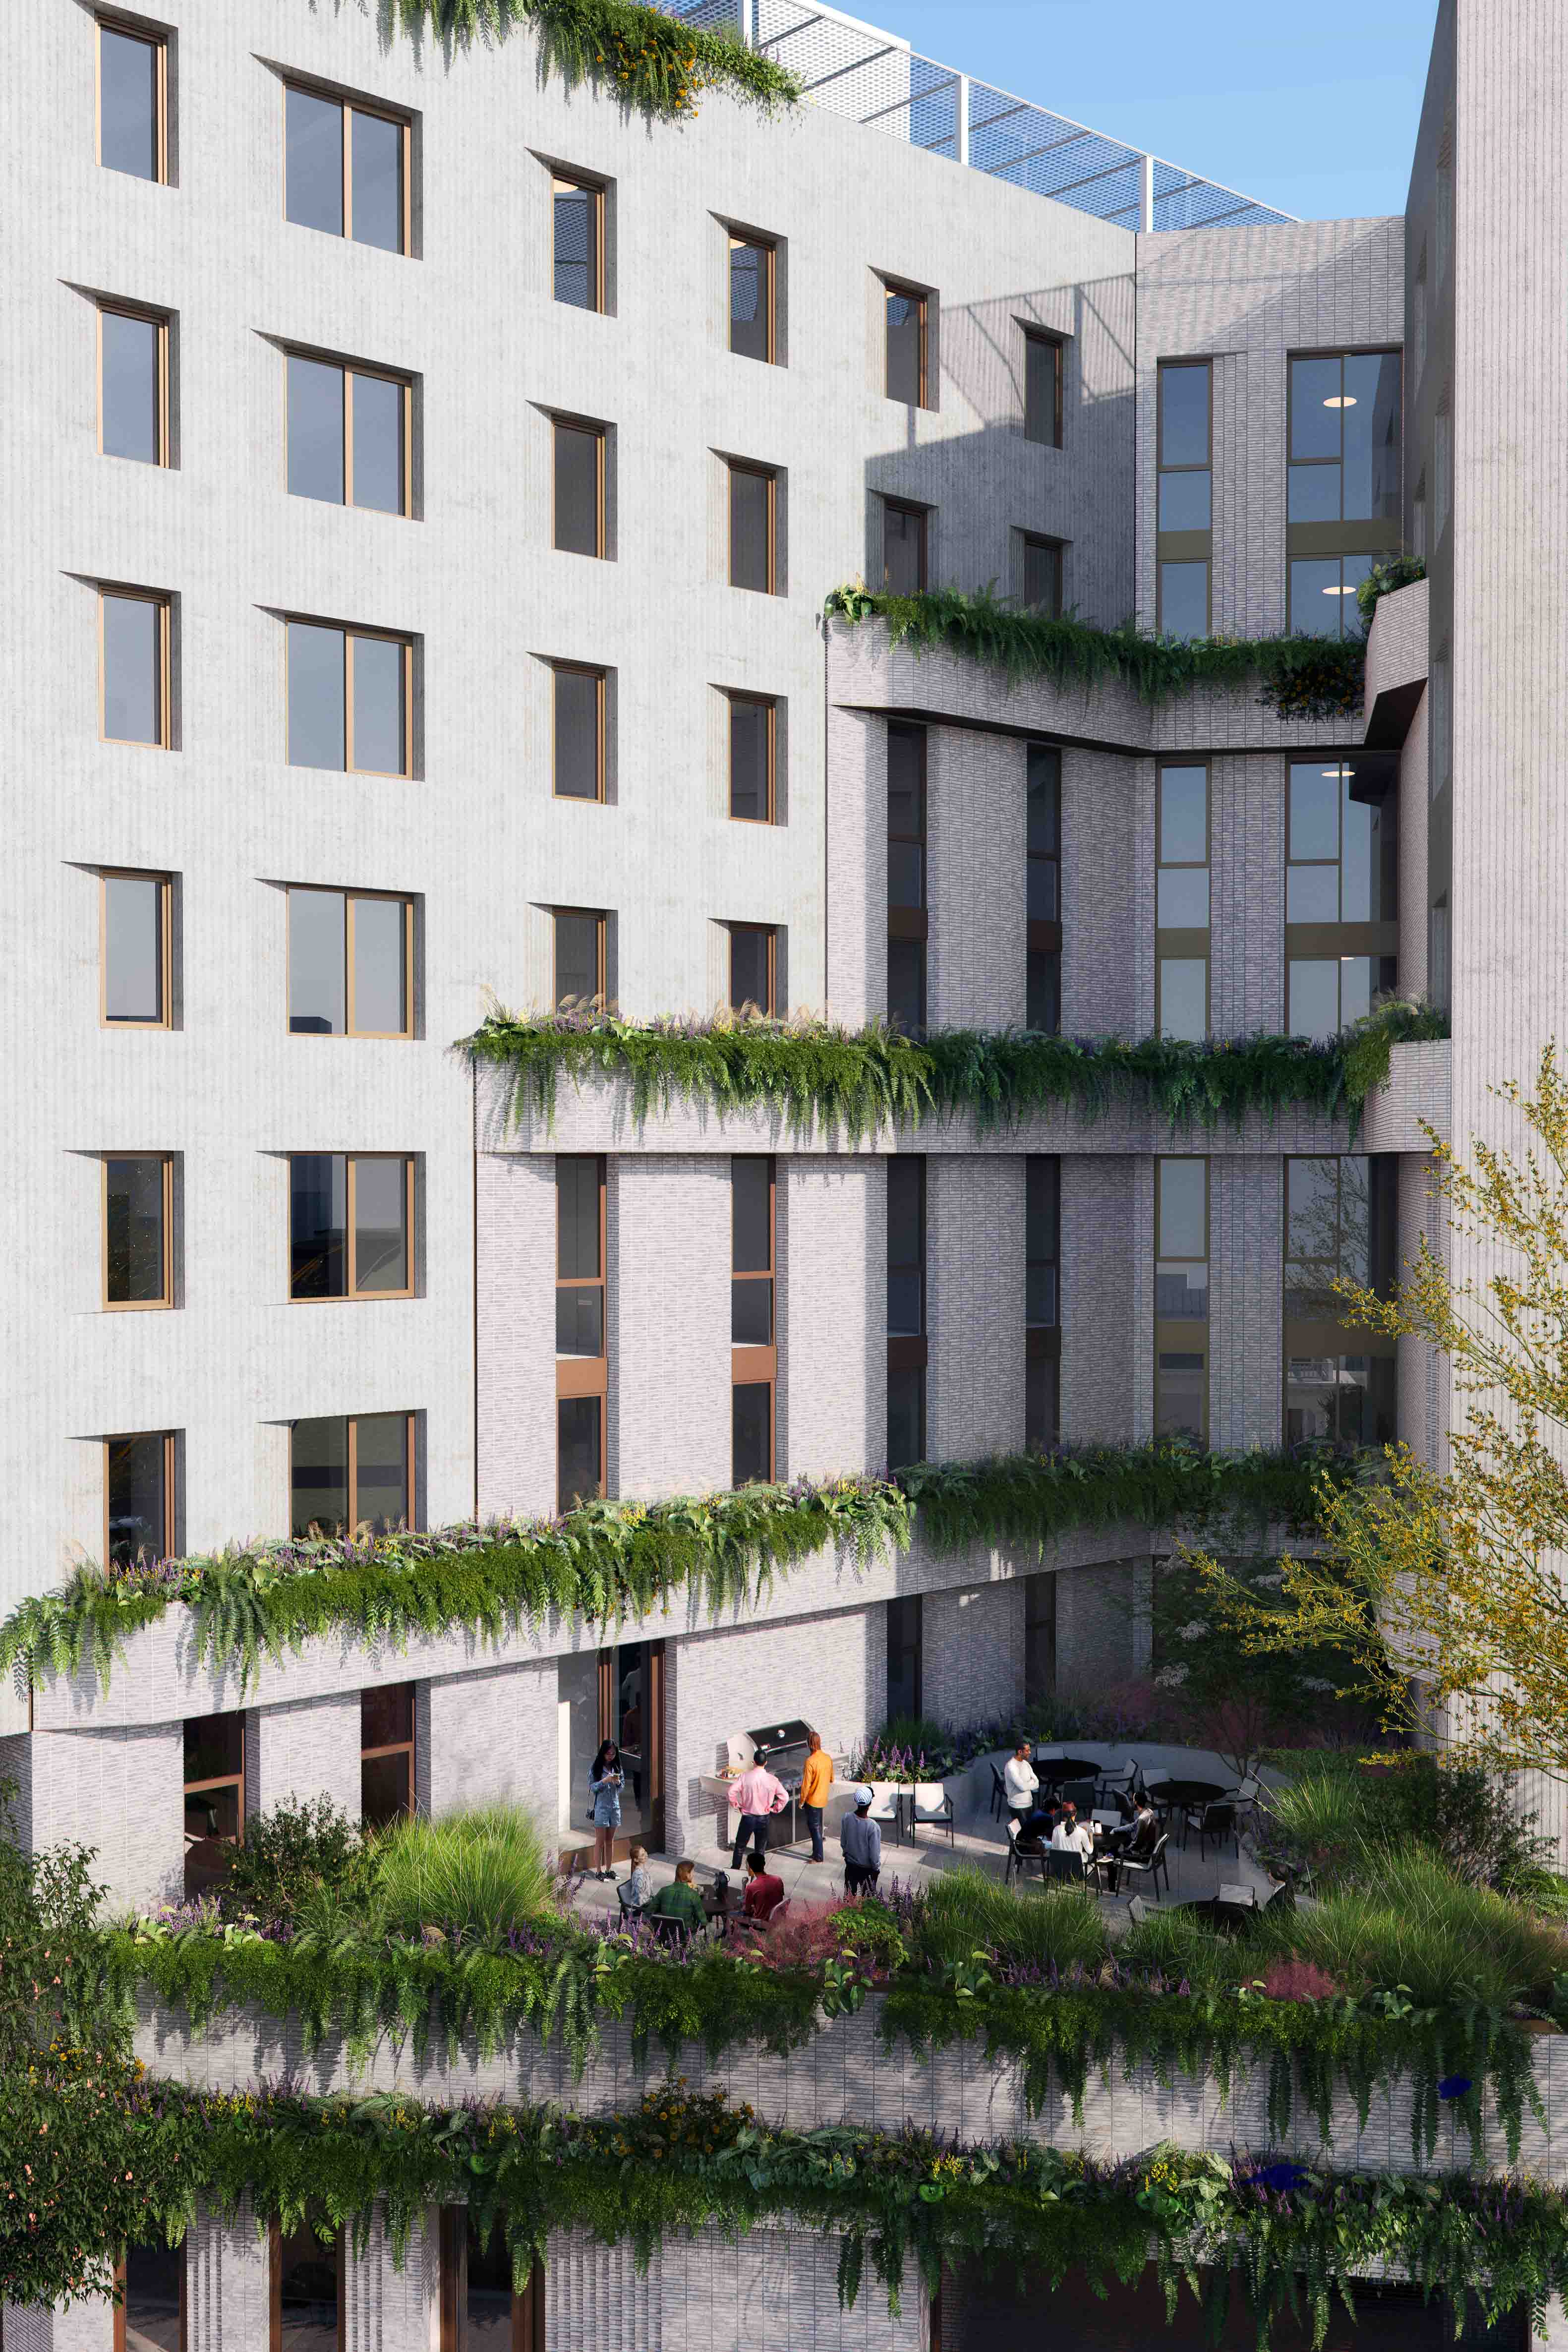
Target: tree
1222,1690
1445,1591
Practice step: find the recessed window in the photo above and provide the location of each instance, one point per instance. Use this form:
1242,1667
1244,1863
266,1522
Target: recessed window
308,2308
578,256
752,272
214,1797
1184,543
1042,575
138,1230
578,743
754,1357
1181,1298
139,1497
1181,902
1042,1299
1344,479
133,384
905,1656
582,1363
136,931
351,963
581,944
132,102
580,476
346,169
353,1471
386,1755
753,733
906,340
351,1220
349,434
906,1340
134,667
753,528
1042,889
1043,389
151,2314
1342,936
350,693
908,922
754,967
480,2309
1341,1225
903,548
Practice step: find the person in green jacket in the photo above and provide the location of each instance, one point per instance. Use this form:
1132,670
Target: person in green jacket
680,1900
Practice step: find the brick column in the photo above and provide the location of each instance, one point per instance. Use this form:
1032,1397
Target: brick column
227,2284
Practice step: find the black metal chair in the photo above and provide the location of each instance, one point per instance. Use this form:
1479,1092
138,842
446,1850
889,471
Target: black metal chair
1152,1866
1080,1793
998,1796
669,1929
1065,1869
629,1910
1023,1855
1216,1821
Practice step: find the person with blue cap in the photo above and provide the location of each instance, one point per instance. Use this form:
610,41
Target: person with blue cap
862,1841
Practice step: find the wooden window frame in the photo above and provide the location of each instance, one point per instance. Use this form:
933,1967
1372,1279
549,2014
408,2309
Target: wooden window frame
353,1421
348,369
587,1376
350,630
600,722
909,506
348,106
588,186
769,247
351,1297
758,1367
130,29
769,932
1185,1334
106,873
600,916
162,604
119,1438
769,704
527,2307
560,420
919,295
1041,339
275,2289
351,899
149,317
117,2339
139,1306
409,1747
770,475
235,1780
1057,547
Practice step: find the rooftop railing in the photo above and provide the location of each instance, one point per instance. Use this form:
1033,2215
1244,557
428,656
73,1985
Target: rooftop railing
878,79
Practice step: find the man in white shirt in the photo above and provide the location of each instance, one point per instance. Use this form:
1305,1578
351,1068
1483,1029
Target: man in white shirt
1071,1836
1022,1781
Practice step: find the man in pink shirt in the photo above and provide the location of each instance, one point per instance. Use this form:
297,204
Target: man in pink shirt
755,1795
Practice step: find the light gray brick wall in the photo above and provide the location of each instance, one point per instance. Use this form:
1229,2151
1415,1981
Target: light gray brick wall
1099,894
832,1366
492,1740
118,1791
1101,1246
306,1750
389,2308
975,973
1246,1209
229,2301
975,1305
515,1332
73,2327
670,1350
1246,908
972,1653
766,2291
1102,1628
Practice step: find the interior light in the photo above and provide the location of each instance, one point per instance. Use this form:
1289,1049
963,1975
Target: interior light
1338,591
1339,400
1336,775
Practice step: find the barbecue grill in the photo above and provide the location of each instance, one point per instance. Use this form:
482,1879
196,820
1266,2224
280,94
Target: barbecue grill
783,1748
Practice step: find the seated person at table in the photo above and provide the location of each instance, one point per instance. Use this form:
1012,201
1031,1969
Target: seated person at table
1145,1828
1072,1836
680,1900
1021,1779
764,1892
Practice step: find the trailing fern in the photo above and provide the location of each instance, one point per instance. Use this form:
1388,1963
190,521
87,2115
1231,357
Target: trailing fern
643,56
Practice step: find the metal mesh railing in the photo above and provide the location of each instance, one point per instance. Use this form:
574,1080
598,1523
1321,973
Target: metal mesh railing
880,80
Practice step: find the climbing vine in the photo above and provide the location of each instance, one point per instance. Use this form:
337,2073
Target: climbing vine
647,59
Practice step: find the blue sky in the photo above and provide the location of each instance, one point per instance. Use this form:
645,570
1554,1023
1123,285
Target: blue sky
1312,108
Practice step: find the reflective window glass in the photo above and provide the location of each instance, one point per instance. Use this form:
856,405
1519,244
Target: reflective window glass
906,345
750,967
750,759
135,1270
1184,414
578,502
380,403
750,529
132,669
313,160
578,694
750,299
315,429
127,97
381,1225
578,958
131,387
138,1499
380,1470
1184,600
578,1423
320,1475
317,990
316,706
751,1426
376,151
133,914
380,742
576,215
1184,502
380,967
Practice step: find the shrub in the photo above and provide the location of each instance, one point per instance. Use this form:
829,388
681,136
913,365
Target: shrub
1181,1948
1446,1943
288,1856
966,1912
1298,1980
477,1875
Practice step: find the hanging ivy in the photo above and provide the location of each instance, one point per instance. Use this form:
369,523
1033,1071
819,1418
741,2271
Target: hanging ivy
642,56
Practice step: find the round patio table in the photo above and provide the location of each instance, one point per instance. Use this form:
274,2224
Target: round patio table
1187,1792
1067,1768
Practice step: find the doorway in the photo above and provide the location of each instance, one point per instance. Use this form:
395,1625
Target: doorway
617,1693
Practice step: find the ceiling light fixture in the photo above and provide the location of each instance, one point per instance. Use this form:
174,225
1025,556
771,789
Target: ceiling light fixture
1339,400
1338,591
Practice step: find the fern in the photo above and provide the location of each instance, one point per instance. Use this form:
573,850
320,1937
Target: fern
641,56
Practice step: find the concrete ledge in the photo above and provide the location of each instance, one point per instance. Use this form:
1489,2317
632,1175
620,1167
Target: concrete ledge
1419,1089
1395,665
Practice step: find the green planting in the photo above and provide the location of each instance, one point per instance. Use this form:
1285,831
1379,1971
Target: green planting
642,57
1399,572
479,1875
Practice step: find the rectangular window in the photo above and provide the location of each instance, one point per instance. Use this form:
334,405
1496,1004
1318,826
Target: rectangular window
578,242
351,963
908,922
133,384
480,2309
1341,1225
214,1796
579,479
906,1660
1042,1314
151,2314
350,435
1184,522
754,967
132,102
136,930
753,753
906,309
1042,575
581,943
753,1335
906,1338
1042,356
308,2310
903,548
578,738
351,1472
1342,509
134,667
1043,887
139,1231
753,528
1181,902
139,1497
1341,931
1038,1637
351,1225
581,1358
386,1754
1181,1300
349,695
752,270
346,169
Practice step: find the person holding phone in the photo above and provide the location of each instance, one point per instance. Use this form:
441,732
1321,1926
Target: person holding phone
604,1779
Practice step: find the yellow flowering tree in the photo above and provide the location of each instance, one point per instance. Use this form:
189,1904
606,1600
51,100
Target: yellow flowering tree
1447,1590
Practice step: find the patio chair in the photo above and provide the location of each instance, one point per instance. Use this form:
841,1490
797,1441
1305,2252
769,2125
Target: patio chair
1023,1853
1065,1869
780,1911
1118,1780
1152,1866
932,1808
1080,1793
998,1796
669,1930
629,1910
1216,1821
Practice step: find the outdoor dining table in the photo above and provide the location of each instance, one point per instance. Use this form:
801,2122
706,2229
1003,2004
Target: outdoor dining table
1162,1793
1067,1768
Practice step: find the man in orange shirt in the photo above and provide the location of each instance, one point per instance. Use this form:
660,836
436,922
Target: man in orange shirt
815,1781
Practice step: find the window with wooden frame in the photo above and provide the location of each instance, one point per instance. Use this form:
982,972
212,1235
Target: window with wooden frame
481,2311
350,693
139,1497
351,963
579,697
576,241
906,1338
136,949
214,1796
1181,900
133,100
133,384
582,1338
1042,373
150,2301
753,1335
1042,1299
753,754
753,270
137,1231
904,542
346,168
906,376
353,1470
386,1754
1042,888
1041,568
1181,1300
350,434
350,1225
1184,455
135,667
581,955
753,527
308,2301
754,967
908,921
580,456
